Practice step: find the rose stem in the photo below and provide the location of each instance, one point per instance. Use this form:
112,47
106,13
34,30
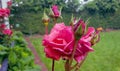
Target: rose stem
53,64
67,67
73,53
46,30
80,64
74,66
53,61
55,20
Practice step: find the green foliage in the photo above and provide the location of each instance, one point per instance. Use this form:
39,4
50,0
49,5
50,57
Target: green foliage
92,7
34,5
72,6
18,39
20,59
103,13
3,53
19,56
110,21
103,7
31,23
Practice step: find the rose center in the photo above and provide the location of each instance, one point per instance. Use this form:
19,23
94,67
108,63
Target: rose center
60,41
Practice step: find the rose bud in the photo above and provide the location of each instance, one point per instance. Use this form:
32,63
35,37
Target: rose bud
45,19
4,12
79,29
2,26
54,12
7,32
95,38
84,45
9,3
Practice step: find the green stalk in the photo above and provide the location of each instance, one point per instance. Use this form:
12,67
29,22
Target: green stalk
73,53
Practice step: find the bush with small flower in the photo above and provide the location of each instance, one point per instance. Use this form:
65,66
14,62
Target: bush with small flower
14,53
69,43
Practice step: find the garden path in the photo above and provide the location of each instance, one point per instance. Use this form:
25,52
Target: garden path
37,58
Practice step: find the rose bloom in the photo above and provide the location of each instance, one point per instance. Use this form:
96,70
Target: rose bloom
9,3
2,26
56,12
84,45
7,32
59,43
4,12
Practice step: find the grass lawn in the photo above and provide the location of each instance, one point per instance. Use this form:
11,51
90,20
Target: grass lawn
106,56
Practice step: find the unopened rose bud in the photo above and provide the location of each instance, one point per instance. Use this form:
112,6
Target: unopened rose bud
54,12
95,38
45,19
9,3
79,29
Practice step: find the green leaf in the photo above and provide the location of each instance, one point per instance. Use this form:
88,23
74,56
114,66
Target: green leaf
3,52
12,58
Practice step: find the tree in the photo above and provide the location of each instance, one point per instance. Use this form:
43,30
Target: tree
36,5
103,7
72,5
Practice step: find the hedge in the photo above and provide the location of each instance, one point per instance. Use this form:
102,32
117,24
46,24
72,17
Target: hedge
31,23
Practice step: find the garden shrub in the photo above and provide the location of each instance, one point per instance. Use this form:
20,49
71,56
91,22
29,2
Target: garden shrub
19,56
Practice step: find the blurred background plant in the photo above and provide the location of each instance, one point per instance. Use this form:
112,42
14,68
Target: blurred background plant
14,53
18,55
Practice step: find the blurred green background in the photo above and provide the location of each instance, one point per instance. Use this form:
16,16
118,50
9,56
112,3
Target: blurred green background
27,14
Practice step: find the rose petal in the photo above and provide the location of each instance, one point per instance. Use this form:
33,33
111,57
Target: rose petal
50,53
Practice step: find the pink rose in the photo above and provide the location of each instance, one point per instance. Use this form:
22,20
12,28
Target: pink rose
9,3
56,12
84,45
89,34
7,12
59,43
2,26
7,32
4,12
92,35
